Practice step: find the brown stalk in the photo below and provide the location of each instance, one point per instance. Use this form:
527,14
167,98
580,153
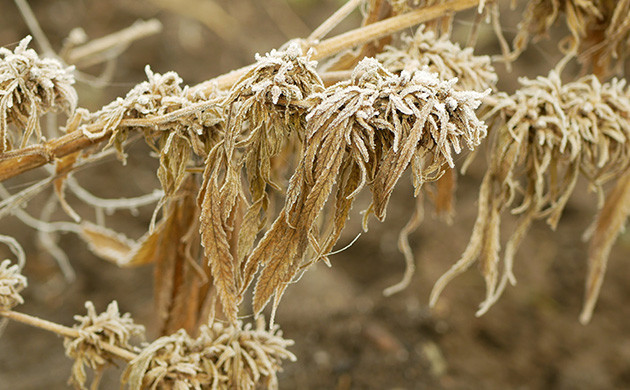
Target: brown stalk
84,55
64,331
356,37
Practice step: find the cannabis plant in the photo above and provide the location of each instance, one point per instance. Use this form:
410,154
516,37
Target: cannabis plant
259,169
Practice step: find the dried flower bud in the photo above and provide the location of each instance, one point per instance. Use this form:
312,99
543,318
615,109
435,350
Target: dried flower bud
221,357
11,283
439,55
108,327
31,86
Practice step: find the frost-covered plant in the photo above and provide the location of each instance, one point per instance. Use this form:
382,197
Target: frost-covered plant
220,357
600,29
31,86
93,330
259,169
12,282
367,130
547,133
425,49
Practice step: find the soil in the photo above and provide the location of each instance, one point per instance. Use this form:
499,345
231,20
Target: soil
347,334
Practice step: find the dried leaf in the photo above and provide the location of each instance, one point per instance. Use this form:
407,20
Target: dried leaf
610,223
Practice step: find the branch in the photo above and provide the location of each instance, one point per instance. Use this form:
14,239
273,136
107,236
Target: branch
93,51
356,37
65,332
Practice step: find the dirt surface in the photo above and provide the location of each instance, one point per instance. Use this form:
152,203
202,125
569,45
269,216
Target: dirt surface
347,334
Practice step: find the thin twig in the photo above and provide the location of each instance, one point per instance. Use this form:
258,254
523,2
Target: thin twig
33,25
334,20
84,55
356,37
65,332
388,26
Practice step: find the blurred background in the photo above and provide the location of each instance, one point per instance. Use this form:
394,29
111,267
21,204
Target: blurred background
347,334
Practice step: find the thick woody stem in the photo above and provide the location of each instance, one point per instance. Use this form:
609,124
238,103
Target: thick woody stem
64,331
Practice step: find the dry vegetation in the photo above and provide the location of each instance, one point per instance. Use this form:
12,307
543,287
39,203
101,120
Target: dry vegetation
259,169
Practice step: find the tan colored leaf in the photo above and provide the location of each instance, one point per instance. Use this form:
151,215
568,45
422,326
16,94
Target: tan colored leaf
609,225
106,243
216,207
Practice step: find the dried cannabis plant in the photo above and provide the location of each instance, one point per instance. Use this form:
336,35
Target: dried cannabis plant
12,282
600,29
367,130
249,163
439,55
263,121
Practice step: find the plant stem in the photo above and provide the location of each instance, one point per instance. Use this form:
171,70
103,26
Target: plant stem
15,162
64,331
334,20
354,38
92,52
388,26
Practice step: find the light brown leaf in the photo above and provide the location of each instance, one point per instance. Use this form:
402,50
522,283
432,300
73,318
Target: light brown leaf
610,223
